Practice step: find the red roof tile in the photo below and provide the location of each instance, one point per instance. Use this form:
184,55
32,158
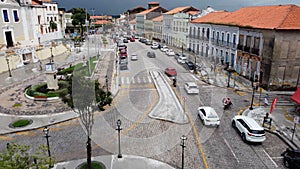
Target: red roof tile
158,19
264,17
181,9
148,10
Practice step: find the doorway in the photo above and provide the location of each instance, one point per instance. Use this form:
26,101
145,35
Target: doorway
9,40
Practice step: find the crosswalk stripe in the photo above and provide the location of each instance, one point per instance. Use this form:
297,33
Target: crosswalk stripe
149,79
132,80
138,80
127,80
144,79
122,80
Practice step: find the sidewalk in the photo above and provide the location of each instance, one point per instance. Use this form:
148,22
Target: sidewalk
113,162
282,125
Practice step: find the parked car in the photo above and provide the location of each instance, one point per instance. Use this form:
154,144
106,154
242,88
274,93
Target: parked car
170,71
154,46
123,66
291,158
208,116
190,65
148,42
191,88
134,56
151,54
125,40
170,52
164,48
248,128
181,59
132,39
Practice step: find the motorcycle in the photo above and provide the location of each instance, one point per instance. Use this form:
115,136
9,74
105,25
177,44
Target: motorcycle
227,103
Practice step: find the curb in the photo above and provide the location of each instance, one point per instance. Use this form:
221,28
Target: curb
285,140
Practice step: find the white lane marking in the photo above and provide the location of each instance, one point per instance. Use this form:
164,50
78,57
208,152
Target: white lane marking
127,80
276,157
195,77
122,80
144,79
149,79
231,150
132,80
270,158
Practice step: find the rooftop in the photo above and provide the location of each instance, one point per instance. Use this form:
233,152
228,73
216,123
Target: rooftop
263,17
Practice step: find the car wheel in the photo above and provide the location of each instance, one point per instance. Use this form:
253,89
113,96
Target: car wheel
233,124
286,163
243,137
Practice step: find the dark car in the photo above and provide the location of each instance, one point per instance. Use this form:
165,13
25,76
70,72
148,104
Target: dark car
190,65
291,158
151,54
125,40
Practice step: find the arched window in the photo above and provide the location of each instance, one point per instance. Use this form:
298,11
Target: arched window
207,33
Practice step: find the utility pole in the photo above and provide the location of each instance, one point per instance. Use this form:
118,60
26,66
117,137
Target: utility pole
88,43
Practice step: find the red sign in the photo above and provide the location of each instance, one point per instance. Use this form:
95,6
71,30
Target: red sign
273,104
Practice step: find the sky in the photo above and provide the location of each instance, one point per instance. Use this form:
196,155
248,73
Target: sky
116,7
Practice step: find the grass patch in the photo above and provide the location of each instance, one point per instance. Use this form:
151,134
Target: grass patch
17,105
21,123
95,165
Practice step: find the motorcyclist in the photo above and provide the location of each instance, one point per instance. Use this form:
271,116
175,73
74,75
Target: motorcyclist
227,103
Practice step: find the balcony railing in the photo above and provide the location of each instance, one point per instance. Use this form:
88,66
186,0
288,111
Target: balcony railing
240,47
247,49
255,51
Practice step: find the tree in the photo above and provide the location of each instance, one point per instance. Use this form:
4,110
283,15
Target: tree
86,96
18,156
53,25
79,17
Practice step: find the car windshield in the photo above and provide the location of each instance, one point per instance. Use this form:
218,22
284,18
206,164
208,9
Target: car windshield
193,87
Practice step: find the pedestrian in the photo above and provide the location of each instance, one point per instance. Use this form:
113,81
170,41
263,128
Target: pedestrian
266,100
41,66
211,68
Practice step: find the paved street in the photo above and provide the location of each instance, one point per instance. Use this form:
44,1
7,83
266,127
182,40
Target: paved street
137,96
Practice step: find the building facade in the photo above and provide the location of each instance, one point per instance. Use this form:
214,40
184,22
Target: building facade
175,26
259,43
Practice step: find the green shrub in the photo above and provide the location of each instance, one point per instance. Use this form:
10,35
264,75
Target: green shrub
95,165
21,123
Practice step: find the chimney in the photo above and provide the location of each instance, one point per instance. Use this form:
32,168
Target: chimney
152,4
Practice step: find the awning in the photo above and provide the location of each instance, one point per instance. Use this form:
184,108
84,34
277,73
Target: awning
296,96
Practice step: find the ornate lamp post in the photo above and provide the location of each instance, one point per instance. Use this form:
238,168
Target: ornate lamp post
51,55
46,132
106,82
183,139
119,130
9,72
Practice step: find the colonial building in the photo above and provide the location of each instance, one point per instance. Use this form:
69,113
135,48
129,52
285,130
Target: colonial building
175,25
157,28
260,43
144,24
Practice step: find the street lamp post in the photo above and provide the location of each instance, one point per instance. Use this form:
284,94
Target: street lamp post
51,55
106,81
253,87
9,72
46,132
183,139
119,135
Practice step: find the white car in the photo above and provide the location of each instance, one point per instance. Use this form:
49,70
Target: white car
154,46
248,128
191,88
134,57
208,116
182,59
164,48
170,52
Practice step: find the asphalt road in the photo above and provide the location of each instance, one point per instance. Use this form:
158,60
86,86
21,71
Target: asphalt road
206,147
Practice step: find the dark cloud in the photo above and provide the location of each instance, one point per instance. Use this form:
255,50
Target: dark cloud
115,7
